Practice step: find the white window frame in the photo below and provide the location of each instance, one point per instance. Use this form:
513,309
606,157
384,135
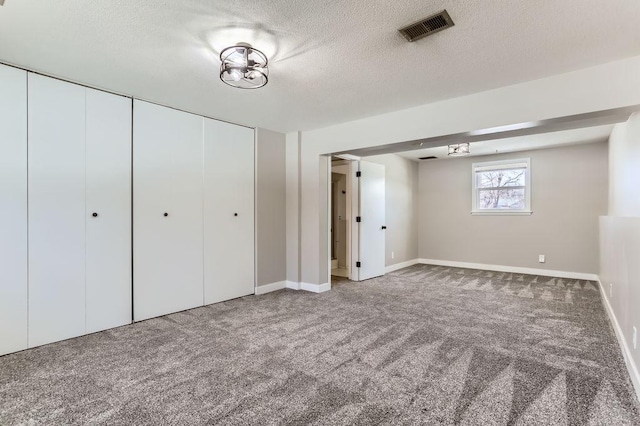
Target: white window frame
501,164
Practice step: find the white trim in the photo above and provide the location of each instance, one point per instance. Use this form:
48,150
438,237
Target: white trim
293,285
488,166
626,351
513,269
268,288
316,288
255,208
401,265
329,216
348,157
524,163
353,249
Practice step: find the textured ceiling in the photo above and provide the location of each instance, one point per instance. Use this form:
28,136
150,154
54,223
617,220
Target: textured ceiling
331,61
521,143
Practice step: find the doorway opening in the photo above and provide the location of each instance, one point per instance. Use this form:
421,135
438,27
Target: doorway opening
339,220
356,219
341,196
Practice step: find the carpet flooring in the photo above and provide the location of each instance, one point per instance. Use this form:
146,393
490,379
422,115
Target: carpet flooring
423,345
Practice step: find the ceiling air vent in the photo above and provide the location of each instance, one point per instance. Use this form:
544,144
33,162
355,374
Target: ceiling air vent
427,26
431,157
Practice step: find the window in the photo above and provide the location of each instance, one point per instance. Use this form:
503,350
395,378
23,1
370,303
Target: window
502,187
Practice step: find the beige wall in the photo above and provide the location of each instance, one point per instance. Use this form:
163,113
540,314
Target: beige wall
401,207
292,158
611,85
569,193
270,207
620,238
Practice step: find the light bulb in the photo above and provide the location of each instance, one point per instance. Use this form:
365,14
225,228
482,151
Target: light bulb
234,75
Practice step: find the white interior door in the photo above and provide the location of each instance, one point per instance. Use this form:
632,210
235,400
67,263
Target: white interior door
13,209
167,206
372,225
108,212
56,210
228,211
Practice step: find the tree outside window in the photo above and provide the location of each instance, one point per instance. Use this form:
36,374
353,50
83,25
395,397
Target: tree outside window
502,186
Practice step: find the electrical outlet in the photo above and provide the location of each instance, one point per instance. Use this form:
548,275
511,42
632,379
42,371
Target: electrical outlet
392,255
635,337
541,258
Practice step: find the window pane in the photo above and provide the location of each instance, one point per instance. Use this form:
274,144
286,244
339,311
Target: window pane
508,199
500,178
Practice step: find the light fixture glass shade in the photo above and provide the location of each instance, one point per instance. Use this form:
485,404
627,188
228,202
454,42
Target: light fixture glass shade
459,149
244,67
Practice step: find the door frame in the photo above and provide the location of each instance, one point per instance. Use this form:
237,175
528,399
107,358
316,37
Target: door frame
353,208
346,168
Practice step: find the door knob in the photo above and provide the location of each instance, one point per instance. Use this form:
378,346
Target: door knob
384,227
166,214
95,214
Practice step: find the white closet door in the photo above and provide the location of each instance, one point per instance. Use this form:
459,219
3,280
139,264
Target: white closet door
167,205
228,211
56,210
13,209
108,212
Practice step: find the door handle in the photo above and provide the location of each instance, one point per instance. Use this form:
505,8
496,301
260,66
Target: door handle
384,227
95,214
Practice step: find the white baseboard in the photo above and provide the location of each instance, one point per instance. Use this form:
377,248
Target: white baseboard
512,269
293,285
401,265
626,351
316,288
268,288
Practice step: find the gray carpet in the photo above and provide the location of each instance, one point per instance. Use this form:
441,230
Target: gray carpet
423,345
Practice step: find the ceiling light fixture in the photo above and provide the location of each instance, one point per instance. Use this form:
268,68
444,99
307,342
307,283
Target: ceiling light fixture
459,149
244,67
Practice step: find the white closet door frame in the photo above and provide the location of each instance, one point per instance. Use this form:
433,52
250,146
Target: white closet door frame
229,187
108,238
13,209
56,210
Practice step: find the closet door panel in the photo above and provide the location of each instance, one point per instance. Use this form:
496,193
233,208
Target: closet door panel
167,178
108,213
56,210
228,211
13,209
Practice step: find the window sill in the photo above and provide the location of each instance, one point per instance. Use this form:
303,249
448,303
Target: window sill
501,213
